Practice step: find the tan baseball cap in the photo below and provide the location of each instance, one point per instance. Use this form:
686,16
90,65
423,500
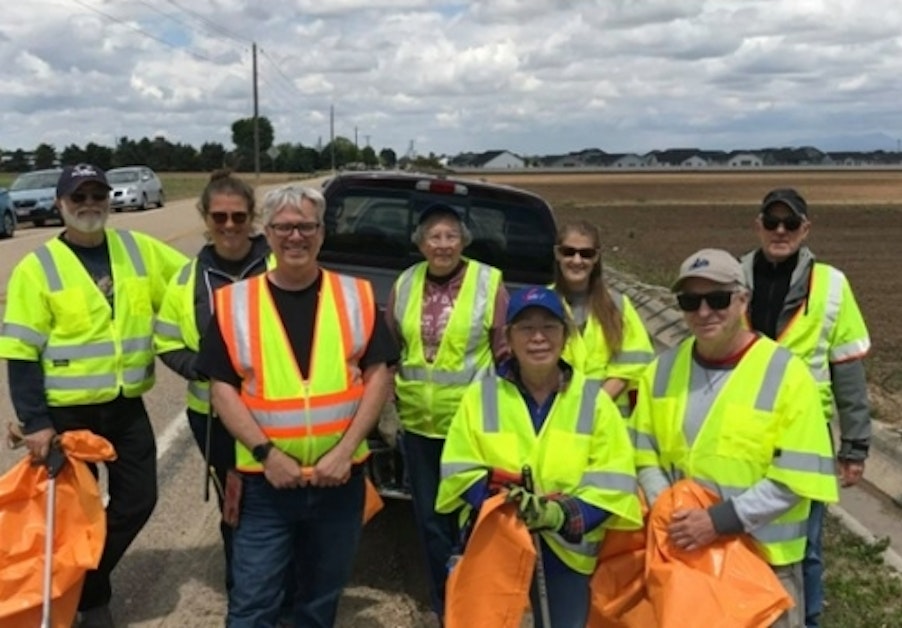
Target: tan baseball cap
714,264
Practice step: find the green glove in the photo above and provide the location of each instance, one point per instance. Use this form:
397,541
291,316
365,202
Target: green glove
527,503
538,513
549,515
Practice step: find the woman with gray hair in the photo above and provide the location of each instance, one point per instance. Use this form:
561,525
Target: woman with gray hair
447,312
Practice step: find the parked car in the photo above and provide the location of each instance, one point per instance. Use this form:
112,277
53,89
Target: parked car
7,215
134,187
370,217
33,195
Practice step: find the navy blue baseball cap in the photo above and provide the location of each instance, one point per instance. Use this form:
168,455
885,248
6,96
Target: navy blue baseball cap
74,176
440,208
785,196
535,296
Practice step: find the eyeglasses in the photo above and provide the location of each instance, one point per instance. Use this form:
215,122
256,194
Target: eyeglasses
790,223
437,239
527,330
97,197
717,300
221,218
572,251
285,229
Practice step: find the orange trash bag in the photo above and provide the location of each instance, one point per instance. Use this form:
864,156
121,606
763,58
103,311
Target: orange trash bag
618,585
79,532
489,585
727,584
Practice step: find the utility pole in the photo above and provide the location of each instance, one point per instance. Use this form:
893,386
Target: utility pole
332,134
356,145
256,120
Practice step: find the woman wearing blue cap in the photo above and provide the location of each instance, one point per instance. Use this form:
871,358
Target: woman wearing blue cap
539,419
448,315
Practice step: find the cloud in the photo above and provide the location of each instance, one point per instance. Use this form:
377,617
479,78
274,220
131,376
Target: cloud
532,76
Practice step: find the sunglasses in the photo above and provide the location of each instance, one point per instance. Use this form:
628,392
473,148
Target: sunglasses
572,251
717,300
97,197
790,223
221,218
285,229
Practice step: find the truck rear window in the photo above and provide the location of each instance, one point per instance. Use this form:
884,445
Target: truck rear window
373,226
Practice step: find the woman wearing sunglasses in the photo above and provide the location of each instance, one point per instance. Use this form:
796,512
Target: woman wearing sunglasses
808,306
233,252
610,342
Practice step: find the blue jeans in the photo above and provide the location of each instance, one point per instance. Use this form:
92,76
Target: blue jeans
813,566
568,599
318,528
438,532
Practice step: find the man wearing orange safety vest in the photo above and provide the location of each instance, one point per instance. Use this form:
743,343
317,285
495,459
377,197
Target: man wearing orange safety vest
298,361
808,307
740,415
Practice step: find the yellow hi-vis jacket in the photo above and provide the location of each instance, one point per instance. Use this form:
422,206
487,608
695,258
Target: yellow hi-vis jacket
429,392
827,327
55,314
582,450
588,351
766,422
176,326
304,418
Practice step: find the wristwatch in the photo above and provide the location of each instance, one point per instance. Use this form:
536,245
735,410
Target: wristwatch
261,451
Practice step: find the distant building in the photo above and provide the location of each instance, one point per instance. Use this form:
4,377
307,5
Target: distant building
745,160
489,160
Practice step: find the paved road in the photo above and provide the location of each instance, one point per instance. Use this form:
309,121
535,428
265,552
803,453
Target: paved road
172,575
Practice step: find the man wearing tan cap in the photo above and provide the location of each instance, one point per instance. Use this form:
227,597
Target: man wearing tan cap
739,414
808,307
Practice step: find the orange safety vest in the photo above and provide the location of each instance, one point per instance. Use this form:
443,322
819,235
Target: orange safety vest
304,418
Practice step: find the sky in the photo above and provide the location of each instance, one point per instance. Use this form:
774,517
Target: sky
536,77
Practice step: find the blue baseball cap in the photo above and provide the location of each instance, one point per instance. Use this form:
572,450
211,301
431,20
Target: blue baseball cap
535,296
74,176
440,208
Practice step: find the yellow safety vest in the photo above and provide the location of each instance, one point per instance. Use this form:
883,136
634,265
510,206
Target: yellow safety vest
828,329
764,423
588,351
429,392
582,450
304,418
55,314
176,327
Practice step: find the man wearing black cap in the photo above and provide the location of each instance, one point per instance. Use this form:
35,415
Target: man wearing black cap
808,307
78,337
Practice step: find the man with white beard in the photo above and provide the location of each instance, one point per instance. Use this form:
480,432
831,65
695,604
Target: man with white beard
78,337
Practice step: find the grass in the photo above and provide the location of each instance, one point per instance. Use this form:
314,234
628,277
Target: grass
181,185
861,589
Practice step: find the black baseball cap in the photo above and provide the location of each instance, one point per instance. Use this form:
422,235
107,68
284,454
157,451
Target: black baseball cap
440,208
787,196
72,177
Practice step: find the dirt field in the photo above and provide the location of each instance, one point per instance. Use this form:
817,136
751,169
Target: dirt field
652,221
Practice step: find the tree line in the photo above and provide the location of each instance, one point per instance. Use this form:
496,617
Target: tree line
162,155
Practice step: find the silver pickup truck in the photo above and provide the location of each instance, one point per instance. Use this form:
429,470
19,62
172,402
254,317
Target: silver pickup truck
369,220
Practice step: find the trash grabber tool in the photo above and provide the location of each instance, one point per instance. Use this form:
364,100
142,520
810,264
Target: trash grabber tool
207,438
54,463
541,583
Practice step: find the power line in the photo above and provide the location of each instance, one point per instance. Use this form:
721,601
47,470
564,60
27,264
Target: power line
210,24
189,26
143,32
279,70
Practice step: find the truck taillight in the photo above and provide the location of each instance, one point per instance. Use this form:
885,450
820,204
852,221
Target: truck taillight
438,186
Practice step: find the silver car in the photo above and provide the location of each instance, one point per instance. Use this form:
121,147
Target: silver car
134,186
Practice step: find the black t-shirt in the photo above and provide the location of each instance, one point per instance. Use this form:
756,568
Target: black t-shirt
96,260
771,287
297,310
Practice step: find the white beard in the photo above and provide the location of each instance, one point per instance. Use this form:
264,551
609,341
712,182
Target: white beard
88,223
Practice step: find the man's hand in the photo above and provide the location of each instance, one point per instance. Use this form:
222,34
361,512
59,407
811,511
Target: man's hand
281,470
38,443
691,529
333,469
850,472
